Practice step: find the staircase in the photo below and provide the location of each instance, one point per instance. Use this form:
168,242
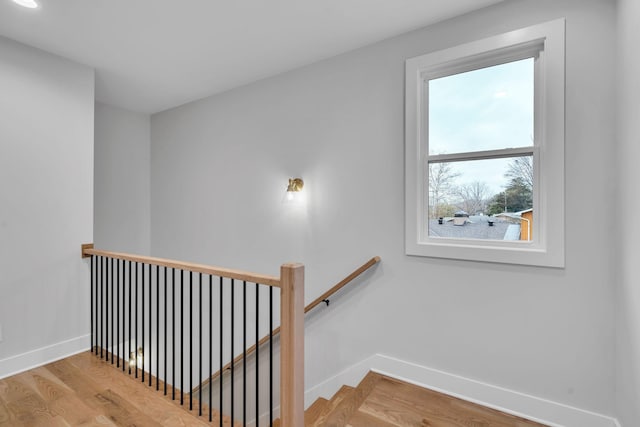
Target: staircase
380,401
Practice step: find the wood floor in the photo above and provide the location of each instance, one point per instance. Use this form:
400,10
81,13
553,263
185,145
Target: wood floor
380,401
84,391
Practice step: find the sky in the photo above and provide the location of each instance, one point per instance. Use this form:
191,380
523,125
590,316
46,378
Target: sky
485,109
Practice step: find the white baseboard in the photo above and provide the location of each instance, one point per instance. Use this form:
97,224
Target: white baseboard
523,405
41,356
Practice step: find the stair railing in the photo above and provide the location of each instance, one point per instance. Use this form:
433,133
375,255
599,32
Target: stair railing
140,341
324,298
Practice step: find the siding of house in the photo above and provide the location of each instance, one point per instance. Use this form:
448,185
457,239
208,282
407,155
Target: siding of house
526,226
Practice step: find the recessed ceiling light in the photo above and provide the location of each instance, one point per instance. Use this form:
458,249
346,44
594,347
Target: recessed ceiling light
31,4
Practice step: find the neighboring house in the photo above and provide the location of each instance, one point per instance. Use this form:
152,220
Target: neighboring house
526,225
524,219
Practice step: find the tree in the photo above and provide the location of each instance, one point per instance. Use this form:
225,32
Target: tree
473,197
516,197
441,184
521,169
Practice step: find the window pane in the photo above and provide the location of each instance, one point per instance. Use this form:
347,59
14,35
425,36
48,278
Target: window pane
482,199
486,109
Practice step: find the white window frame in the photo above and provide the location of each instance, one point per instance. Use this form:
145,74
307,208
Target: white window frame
546,43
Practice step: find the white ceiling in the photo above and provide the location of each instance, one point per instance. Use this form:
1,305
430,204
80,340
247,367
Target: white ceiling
151,55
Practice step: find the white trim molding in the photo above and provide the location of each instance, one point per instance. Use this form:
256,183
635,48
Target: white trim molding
41,356
512,402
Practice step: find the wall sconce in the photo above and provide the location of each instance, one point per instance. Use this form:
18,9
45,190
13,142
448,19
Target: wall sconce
136,359
294,188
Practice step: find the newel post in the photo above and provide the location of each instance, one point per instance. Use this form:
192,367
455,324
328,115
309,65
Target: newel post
292,345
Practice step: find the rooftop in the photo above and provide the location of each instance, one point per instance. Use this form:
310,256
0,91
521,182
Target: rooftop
476,227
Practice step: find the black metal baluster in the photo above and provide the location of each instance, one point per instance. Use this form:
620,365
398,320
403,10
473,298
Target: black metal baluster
105,313
104,303
150,358
91,302
106,333
211,348
124,309
190,340
144,353
135,348
97,300
244,353
221,347
231,346
200,348
181,337
257,354
130,317
157,327
101,302
173,334
112,307
271,356
165,330
118,313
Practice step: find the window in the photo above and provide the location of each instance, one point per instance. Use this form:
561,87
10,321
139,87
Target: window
485,149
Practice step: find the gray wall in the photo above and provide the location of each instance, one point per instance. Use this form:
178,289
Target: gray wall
46,197
219,168
628,296
122,187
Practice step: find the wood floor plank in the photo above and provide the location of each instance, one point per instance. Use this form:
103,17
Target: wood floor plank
88,392
31,410
4,414
139,394
12,389
49,390
361,419
146,397
98,421
74,410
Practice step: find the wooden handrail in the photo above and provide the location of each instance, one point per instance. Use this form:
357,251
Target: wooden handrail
322,298
341,284
88,250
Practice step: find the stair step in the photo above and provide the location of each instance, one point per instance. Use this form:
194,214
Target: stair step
344,392
395,402
314,411
350,404
380,401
